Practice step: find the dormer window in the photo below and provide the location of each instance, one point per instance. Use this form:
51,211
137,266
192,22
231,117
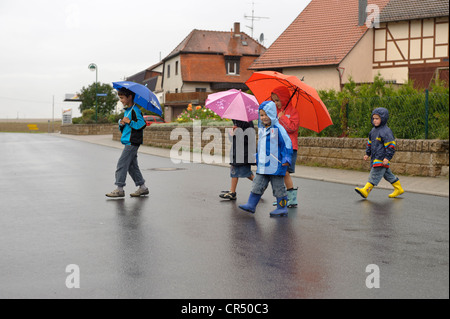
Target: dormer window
231,68
232,64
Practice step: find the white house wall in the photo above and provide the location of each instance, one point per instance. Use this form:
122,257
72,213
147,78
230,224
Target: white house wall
358,63
395,75
159,68
173,82
193,86
399,45
320,77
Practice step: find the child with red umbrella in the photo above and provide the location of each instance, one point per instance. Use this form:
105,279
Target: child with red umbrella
288,118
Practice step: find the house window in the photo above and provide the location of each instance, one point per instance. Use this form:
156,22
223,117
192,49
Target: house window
168,71
232,65
176,68
200,90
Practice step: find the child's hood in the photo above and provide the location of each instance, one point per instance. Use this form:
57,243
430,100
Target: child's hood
283,94
383,113
271,110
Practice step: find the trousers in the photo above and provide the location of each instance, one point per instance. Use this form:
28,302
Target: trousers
377,173
128,164
261,182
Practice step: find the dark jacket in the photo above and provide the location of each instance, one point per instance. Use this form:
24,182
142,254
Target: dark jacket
244,144
381,143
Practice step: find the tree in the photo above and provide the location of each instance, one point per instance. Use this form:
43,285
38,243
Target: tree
105,104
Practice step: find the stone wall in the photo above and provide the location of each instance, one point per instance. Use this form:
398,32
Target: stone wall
30,126
413,157
159,136
88,129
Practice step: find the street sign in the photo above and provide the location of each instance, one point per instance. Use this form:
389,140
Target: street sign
102,94
67,116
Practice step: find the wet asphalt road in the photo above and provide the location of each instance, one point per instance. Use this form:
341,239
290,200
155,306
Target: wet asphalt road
184,242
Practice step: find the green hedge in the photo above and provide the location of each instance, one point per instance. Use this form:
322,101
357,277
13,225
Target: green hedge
351,110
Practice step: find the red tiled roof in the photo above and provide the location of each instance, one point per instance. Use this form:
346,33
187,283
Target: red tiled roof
199,41
202,56
323,34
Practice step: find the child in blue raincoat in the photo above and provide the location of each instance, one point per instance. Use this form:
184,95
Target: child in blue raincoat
381,149
273,158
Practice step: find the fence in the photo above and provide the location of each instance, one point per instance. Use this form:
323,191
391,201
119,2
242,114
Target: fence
417,116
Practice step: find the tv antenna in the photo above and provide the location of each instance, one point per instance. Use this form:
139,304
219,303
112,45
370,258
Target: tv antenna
253,18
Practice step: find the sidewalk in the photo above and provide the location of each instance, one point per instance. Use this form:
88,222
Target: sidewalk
437,186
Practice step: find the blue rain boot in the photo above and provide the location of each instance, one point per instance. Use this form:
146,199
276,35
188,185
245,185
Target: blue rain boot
281,207
292,198
253,200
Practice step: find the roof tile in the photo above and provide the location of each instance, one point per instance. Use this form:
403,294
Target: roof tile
401,10
322,34
200,41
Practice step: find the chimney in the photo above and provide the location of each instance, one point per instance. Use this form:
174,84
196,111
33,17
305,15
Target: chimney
237,29
362,15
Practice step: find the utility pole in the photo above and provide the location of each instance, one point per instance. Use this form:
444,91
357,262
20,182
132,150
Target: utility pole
253,18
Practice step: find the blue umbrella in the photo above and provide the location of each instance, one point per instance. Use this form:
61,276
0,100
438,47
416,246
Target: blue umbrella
144,97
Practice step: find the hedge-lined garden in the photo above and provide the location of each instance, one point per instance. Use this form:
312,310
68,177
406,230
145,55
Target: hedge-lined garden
413,114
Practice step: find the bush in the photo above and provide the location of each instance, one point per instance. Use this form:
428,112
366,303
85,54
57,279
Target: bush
438,116
351,110
114,118
77,120
197,113
88,117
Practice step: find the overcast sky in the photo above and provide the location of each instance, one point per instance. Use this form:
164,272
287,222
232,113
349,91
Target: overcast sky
47,45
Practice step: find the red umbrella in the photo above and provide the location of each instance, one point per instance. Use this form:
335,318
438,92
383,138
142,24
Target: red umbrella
312,111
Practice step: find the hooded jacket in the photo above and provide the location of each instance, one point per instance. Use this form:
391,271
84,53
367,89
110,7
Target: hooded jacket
381,143
133,133
290,120
274,144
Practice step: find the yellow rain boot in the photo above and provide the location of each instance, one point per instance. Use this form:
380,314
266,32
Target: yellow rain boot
398,190
364,192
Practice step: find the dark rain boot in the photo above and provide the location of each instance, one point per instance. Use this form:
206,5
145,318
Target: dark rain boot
281,207
253,200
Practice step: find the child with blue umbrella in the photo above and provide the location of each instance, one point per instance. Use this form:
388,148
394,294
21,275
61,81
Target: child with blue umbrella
132,127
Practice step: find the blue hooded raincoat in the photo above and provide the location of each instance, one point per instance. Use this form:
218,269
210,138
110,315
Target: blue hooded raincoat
274,144
381,143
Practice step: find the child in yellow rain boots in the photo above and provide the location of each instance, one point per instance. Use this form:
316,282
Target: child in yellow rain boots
381,149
